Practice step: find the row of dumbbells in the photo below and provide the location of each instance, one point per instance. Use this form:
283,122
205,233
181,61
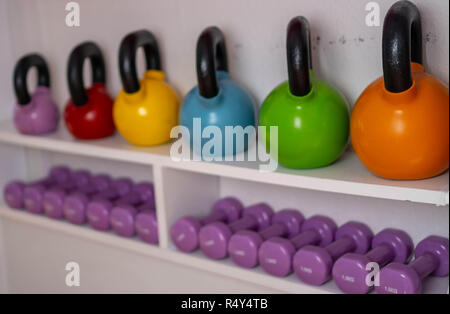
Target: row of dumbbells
315,249
80,197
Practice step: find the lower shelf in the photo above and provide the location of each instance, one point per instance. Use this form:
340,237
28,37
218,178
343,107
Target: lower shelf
196,260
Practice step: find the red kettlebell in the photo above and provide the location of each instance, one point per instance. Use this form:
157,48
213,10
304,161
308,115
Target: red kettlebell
88,113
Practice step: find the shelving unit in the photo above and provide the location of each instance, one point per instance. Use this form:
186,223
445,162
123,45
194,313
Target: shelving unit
311,190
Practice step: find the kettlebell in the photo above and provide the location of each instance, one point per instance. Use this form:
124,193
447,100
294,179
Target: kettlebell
399,124
216,100
144,112
312,117
36,113
88,113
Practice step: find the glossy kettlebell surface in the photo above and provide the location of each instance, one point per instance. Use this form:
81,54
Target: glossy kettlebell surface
311,115
400,123
88,113
217,101
144,112
37,113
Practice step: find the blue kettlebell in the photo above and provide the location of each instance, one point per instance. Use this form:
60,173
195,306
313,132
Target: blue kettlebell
219,103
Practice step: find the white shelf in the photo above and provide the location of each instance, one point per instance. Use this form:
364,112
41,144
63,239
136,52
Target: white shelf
195,260
346,176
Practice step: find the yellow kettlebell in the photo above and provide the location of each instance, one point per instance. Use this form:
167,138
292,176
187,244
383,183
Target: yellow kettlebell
144,112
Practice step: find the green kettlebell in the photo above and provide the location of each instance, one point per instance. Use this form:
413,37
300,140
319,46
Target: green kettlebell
312,116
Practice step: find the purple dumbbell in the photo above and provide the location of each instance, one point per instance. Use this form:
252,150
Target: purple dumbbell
313,264
146,192
146,224
54,198
121,219
76,180
139,194
389,245
122,216
243,245
33,195
117,189
214,238
13,194
431,259
275,255
99,209
184,232
76,203
14,191
60,174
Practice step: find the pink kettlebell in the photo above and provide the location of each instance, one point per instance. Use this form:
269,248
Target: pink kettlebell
36,113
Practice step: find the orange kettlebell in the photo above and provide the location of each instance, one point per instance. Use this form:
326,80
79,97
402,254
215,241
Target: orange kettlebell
400,123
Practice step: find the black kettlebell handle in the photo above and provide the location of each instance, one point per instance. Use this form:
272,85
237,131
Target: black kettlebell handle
20,76
402,44
298,47
127,58
75,70
211,56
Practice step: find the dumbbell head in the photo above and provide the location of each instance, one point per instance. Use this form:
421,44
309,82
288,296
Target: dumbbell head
122,186
350,272
292,219
33,196
147,224
313,264
81,177
53,203
275,255
326,227
184,232
146,191
13,194
437,246
75,207
122,219
60,174
230,206
262,213
97,213
101,181
403,279
214,237
244,245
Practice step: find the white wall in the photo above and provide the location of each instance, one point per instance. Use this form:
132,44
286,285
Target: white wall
348,53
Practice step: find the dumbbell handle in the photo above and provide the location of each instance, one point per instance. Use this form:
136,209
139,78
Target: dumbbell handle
245,223
46,183
109,194
340,247
308,237
424,265
131,198
382,255
88,189
277,229
213,217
